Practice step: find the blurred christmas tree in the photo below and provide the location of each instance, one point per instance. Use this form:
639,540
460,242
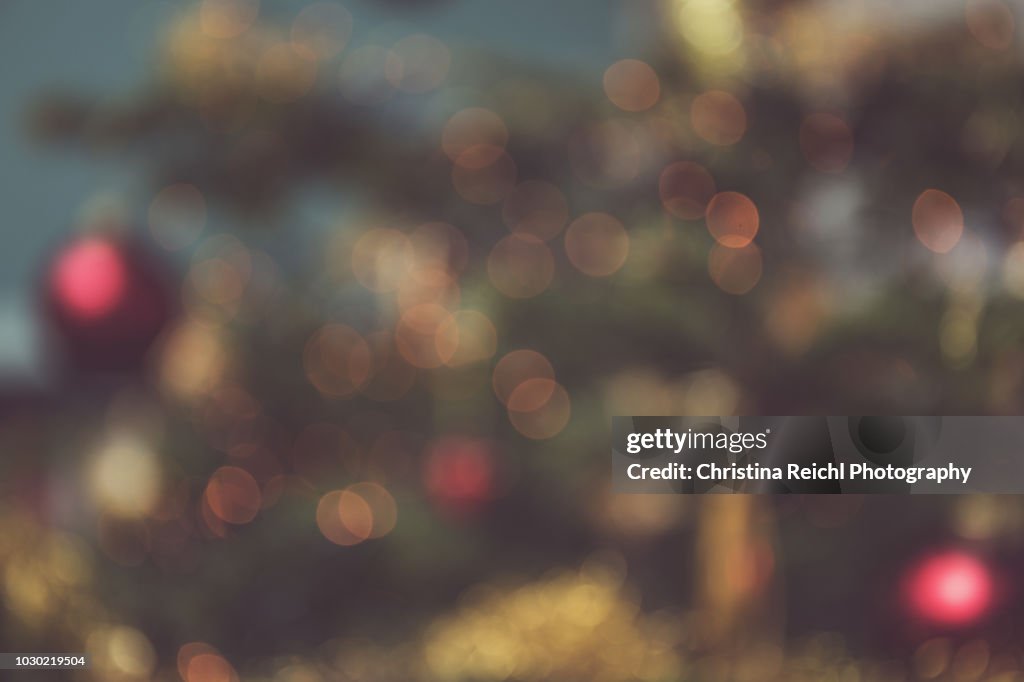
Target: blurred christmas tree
417,280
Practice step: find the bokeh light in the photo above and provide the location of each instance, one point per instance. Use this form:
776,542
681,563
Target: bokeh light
951,589
382,506
190,650
207,64
938,221
632,85
344,517
90,279
986,517
124,476
541,630
233,495
121,652
972,660
713,27
365,225
732,219
209,667
193,359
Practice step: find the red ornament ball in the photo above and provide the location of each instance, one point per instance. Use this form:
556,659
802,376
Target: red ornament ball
951,589
90,279
107,299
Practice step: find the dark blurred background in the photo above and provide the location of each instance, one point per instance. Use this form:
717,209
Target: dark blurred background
313,317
